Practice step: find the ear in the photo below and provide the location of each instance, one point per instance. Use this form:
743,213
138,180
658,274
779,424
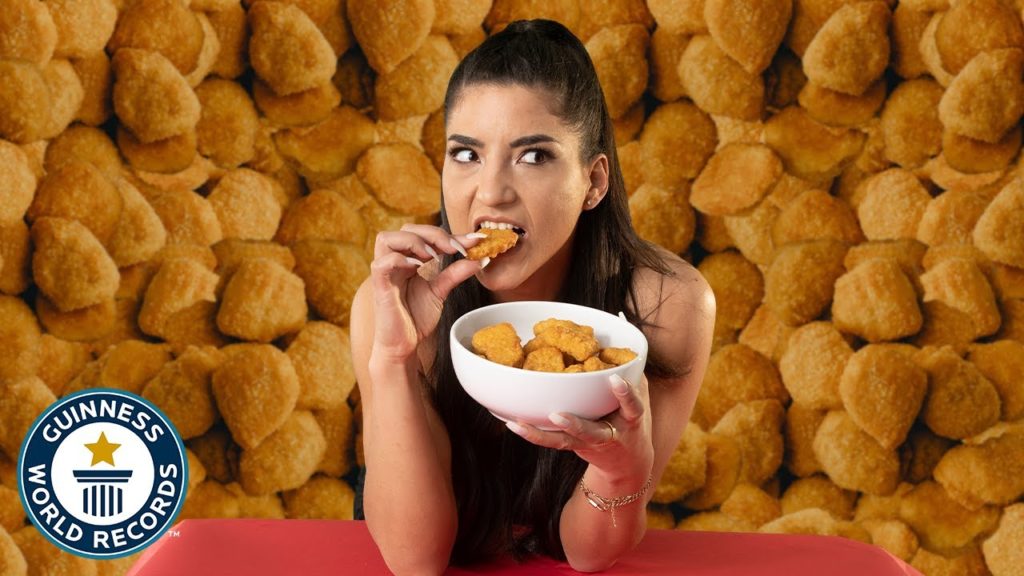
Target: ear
598,176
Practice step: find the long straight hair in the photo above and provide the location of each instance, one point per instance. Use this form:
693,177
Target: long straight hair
502,482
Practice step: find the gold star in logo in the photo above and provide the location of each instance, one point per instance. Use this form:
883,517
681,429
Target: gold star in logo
102,451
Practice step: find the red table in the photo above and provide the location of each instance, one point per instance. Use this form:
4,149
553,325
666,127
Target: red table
271,547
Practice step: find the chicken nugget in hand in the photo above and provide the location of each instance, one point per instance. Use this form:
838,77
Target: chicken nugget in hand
497,242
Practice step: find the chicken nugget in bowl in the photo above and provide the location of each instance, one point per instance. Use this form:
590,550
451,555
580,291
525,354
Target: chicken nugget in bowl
529,396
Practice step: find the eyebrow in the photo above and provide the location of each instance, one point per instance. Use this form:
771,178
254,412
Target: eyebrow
517,143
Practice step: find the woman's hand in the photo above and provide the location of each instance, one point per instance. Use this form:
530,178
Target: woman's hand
407,307
619,445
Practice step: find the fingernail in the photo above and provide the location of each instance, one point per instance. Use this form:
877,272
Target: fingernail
516,428
558,420
413,261
431,251
477,235
483,263
457,246
619,385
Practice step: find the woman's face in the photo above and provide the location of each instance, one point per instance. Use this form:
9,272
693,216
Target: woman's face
511,161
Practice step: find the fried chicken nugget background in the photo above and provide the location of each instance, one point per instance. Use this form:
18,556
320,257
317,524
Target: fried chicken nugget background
853,166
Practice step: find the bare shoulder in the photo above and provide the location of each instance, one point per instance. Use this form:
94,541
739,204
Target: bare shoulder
679,310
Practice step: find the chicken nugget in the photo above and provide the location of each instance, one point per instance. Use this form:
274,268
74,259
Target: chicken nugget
738,287
893,536
1001,362
245,205
211,499
553,322
178,284
459,16
838,109
337,426
432,139
287,50
908,25
167,156
329,149
712,234
322,214
139,233
573,368
665,51
83,28
230,254
594,364
893,204
80,325
986,99
253,413
70,266
417,85
752,504
389,37
151,98
960,283
545,359
231,26
974,27
20,183
25,102
910,125
286,459
737,177
94,74
961,402
945,325
499,343
882,391
83,143
717,83
182,390
679,16
751,232
79,191
940,522
262,301
816,215
756,426
852,458
818,492
851,50
188,218
663,217
29,32
571,342
687,467
1001,226
497,242
800,280
21,402
972,156
166,27
323,361
66,95
677,140
749,31
616,356
44,556
619,53
332,272
298,109
60,361
813,521
950,217
813,364
127,365
808,148
766,334
1003,553
799,429
413,191
227,127
876,301
321,497
12,514
989,473
909,254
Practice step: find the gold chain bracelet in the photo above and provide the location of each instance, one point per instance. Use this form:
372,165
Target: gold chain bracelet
610,504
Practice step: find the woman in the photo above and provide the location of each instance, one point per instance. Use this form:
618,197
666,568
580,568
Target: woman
530,144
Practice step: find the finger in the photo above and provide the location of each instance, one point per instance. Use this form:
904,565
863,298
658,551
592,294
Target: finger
456,273
556,440
594,433
441,240
631,406
406,243
391,270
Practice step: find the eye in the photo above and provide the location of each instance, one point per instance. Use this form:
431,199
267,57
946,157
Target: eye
462,155
535,156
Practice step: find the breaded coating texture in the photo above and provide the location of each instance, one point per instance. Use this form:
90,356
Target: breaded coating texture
497,242
545,359
616,356
572,342
499,343
287,50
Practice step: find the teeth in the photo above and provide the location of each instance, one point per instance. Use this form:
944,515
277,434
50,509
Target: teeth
496,225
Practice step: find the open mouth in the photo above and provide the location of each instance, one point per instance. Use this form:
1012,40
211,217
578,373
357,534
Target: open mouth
502,226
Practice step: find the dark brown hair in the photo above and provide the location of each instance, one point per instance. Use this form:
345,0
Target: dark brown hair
500,480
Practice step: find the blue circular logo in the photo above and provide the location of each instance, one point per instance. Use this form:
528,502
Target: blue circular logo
102,473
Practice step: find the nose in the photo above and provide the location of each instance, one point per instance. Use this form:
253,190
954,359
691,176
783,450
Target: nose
494,184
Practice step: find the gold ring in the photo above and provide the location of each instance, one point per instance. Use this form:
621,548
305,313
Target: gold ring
611,429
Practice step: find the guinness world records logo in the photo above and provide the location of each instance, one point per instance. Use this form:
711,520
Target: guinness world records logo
102,473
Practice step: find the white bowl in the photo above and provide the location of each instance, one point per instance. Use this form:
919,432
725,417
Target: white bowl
530,396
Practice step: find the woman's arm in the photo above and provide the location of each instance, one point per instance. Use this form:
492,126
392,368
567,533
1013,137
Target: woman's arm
408,498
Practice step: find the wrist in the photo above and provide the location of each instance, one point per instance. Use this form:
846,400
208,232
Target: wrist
616,482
